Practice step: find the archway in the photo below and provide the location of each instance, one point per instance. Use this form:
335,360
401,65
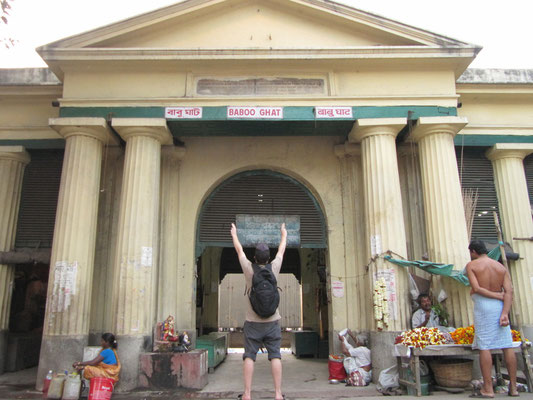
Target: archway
268,194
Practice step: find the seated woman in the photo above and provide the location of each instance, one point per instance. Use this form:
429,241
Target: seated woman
106,364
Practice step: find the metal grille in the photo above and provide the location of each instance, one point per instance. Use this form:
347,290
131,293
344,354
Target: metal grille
38,203
477,174
528,167
264,194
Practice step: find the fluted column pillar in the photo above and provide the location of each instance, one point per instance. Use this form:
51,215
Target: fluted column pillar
13,160
515,211
168,250
384,221
447,237
66,324
137,242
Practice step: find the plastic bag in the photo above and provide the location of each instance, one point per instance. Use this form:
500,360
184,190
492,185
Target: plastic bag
349,365
388,379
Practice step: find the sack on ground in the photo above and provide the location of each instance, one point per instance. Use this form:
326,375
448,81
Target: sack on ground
264,295
388,379
336,368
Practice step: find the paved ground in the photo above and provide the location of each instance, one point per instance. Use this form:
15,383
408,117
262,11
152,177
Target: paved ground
302,379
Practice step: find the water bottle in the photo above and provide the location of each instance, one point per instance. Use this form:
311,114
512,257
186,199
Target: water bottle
46,383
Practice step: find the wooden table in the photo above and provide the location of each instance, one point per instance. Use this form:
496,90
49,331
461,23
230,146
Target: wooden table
448,350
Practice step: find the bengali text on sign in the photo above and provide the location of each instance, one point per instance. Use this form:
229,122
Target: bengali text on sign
183,112
333,112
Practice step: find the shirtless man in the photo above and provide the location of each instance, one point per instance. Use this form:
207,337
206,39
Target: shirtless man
492,294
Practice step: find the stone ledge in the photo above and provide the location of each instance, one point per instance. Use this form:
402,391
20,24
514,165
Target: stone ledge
173,370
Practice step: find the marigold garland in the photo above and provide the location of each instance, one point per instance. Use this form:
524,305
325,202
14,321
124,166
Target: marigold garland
466,335
421,337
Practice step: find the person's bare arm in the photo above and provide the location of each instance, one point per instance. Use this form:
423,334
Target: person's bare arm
344,349
478,289
283,242
236,242
95,361
354,338
507,299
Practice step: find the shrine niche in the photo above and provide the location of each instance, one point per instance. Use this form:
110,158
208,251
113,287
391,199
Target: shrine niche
166,339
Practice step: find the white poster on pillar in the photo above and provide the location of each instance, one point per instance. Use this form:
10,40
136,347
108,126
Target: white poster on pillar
389,276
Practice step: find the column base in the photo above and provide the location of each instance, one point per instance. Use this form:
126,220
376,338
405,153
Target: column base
130,349
3,350
58,353
381,347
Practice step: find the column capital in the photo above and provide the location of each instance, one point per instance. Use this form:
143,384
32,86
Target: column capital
509,150
15,153
426,126
155,128
347,149
366,127
96,128
175,153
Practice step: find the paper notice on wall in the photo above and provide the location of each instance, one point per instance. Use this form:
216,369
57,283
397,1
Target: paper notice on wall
146,256
375,245
65,276
389,277
337,288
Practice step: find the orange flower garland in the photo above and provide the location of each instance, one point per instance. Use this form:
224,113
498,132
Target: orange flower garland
466,335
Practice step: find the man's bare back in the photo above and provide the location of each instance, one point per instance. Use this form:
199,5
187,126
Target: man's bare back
489,273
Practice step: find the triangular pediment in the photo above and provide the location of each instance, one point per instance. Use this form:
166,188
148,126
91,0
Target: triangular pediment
254,24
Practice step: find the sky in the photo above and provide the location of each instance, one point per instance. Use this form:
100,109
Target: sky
503,28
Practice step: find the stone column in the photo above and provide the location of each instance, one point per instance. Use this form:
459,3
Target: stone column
447,237
384,222
66,324
13,160
168,273
384,226
136,263
515,211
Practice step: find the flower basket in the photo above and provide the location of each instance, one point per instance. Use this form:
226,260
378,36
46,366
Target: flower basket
452,373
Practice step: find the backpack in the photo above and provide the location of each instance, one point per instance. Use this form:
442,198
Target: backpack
264,295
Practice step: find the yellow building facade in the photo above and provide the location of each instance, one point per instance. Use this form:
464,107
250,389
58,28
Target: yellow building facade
364,120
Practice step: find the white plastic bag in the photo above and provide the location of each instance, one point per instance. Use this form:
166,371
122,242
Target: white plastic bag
388,379
349,365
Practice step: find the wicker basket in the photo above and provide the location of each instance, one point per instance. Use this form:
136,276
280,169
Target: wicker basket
452,373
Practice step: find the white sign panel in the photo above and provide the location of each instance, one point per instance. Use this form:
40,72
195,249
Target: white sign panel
337,288
375,245
64,288
333,112
183,112
255,112
390,281
146,256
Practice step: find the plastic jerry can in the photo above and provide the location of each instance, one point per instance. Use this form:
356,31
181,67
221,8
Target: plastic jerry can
55,391
72,387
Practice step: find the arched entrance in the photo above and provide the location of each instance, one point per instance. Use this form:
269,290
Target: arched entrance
269,195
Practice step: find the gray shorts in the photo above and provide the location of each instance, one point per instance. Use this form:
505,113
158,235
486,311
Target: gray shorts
262,334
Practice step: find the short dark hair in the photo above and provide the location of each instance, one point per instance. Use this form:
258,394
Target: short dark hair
262,253
109,338
478,246
422,296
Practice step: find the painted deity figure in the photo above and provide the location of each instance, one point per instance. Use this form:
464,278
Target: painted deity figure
169,333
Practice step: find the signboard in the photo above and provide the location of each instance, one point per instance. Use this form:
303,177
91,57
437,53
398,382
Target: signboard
238,112
183,112
254,229
333,112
